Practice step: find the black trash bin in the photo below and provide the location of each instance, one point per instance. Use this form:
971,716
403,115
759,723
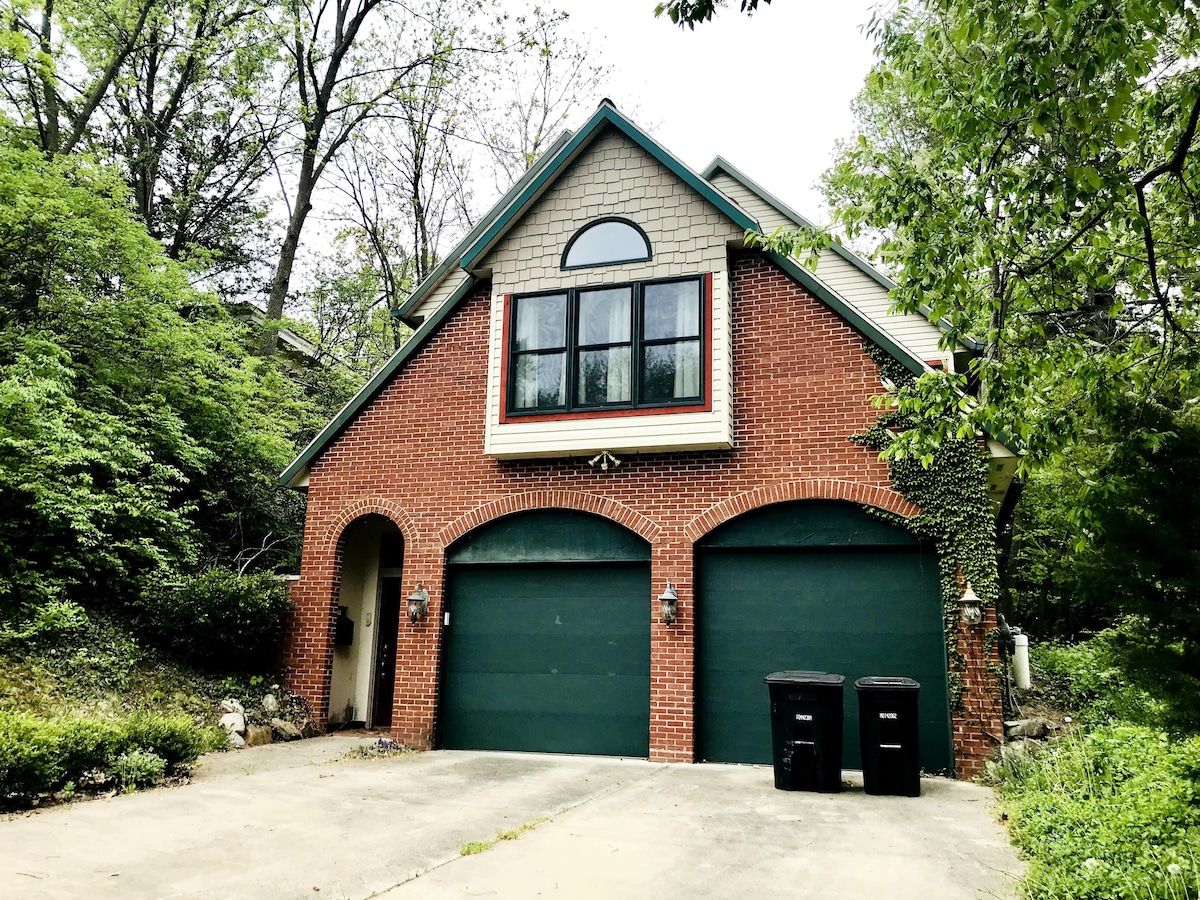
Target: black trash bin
806,730
887,724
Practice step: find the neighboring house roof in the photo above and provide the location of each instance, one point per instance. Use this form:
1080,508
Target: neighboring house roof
720,164
473,248
293,344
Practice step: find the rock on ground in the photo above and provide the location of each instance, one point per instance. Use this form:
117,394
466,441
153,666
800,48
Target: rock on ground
286,730
257,735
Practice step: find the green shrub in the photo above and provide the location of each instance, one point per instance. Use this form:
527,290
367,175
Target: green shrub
1122,674
39,755
1108,815
220,620
177,739
29,761
139,769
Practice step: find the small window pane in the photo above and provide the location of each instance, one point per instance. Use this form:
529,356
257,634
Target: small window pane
607,242
604,376
670,372
671,310
541,380
542,322
604,316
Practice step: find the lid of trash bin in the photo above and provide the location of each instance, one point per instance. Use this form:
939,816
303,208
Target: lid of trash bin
795,676
886,683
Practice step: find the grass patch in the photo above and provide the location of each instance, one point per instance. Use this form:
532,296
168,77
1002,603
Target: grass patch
473,847
384,748
94,709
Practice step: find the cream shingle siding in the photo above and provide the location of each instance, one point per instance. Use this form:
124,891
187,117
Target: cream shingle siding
433,301
861,291
688,236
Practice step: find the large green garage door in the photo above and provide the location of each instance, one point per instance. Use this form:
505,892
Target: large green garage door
548,647
820,586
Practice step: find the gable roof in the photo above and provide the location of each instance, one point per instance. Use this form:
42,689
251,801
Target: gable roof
606,115
507,211
720,164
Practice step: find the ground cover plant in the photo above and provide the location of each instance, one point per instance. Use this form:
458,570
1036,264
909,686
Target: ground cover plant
1111,808
96,710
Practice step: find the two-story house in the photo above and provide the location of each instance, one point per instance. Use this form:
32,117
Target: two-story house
615,457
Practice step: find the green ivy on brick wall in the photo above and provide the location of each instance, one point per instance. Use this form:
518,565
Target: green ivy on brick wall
956,513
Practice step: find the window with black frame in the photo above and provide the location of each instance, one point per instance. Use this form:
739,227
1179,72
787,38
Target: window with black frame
621,346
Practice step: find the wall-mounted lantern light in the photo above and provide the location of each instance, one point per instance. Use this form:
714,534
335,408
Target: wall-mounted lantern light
668,600
972,607
418,604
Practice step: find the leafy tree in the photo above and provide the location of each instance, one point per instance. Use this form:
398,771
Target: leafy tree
192,125
349,62
138,438
348,309
1111,527
173,90
59,68
1029,172
691,13
544,85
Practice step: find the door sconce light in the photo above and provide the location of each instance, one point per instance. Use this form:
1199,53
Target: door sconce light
668,600
418,604
972,608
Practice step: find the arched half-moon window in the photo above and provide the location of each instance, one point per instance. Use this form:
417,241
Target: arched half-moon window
606,241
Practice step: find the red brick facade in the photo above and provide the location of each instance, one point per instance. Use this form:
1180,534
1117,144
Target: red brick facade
802,384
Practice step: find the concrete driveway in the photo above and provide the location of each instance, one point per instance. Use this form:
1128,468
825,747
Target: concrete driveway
301,820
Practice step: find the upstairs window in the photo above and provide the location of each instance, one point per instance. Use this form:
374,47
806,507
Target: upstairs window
606,241
626,346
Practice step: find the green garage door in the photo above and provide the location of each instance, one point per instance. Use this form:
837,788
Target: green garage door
548,647
820,586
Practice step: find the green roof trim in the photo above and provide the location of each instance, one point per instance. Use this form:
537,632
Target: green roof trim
455,256
805,279
720,164
377,383
606,115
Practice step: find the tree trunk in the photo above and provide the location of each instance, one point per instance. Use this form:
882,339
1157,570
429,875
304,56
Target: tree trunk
50,133
291,243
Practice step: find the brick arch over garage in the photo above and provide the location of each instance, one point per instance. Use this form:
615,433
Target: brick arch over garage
531,500
365,506
809,489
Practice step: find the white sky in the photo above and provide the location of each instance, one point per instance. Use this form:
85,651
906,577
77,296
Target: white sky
770,93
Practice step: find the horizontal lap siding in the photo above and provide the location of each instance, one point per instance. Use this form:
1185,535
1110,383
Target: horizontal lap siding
855,287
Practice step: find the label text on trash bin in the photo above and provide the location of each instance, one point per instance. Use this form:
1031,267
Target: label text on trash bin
889,715
801,717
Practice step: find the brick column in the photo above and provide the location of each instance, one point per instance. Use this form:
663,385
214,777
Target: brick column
672,654
418,650
309,633
979,725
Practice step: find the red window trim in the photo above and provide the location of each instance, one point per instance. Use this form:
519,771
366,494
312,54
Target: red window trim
705,406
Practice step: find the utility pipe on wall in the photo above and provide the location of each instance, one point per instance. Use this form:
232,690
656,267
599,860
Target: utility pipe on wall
1021,661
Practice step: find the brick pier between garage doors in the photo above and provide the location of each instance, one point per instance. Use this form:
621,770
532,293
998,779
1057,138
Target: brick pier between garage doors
727,383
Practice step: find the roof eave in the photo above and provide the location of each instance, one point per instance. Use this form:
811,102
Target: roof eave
809,282
453,259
